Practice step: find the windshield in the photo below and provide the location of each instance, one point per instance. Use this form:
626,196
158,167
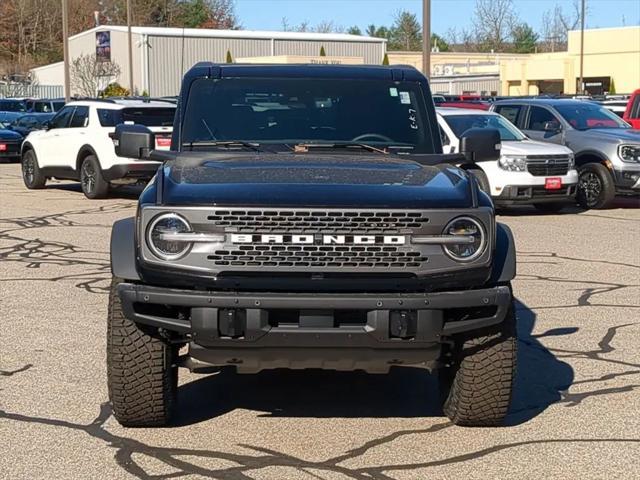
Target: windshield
461,123
315,110
12,106
588,115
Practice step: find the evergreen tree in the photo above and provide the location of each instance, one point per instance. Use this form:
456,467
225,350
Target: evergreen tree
355,30
406,32
322,52
229,57
385,60
524,39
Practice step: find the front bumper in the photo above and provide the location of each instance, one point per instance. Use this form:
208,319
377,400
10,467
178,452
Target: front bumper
333,331
627,179
517,195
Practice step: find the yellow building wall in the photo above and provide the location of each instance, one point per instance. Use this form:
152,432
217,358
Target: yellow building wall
608,52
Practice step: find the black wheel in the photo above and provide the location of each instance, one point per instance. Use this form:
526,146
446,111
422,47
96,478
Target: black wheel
549,207
93,183
595,186
483,181
476,387
142,377
31,175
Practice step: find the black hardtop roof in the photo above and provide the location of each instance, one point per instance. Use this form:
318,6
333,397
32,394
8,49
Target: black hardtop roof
383,72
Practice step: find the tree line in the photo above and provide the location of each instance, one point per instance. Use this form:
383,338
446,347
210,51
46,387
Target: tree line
31,30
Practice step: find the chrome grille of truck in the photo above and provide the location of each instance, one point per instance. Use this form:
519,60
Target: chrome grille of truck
330,256
317,221
547,165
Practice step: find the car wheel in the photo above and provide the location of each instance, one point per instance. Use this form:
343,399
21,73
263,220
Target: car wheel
595,186
483,181
31,174
93,183
476,385
142,376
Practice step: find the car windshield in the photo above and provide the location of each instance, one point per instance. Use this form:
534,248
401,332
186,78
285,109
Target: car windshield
588,115
12,106
383,113
461,123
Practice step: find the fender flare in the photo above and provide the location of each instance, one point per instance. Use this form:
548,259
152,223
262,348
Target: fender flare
123,250
85,148
504,262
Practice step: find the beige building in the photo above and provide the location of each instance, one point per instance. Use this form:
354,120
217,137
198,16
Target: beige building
611,56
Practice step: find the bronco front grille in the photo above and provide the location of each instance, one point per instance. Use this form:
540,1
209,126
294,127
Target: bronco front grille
547,165
330,256
317,221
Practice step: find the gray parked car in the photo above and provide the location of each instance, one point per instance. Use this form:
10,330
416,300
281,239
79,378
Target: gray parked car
606,148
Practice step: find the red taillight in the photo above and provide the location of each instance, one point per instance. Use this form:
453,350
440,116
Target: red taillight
3,147
163,141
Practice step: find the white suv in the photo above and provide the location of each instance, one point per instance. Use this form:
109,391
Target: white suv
77,144
528,172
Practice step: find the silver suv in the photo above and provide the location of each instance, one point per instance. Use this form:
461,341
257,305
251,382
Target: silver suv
606,148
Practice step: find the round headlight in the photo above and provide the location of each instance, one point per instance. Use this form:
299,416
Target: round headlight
467,251
159,233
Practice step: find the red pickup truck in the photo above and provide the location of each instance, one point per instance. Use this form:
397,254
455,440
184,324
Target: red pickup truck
632,113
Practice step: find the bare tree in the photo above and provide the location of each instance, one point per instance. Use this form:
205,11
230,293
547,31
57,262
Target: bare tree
493,23
90,75
556,24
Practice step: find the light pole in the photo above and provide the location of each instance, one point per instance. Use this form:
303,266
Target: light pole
130,47
65,48
426,37
581,86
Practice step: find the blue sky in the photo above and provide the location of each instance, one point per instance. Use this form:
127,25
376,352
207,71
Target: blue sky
446,14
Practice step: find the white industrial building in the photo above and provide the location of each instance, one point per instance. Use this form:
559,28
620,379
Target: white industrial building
162,55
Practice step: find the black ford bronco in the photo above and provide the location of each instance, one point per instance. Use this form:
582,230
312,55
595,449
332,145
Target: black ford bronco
306,217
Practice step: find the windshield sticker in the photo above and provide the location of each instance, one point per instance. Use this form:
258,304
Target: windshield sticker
413,120
405,98
393,92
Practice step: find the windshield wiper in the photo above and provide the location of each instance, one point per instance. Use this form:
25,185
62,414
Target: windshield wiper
304,147
223,143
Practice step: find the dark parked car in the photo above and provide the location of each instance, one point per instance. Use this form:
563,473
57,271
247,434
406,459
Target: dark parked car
45,105
11,109
26,124
291,227
10,142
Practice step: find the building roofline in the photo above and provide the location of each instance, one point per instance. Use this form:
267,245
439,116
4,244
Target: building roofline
247,34
46,66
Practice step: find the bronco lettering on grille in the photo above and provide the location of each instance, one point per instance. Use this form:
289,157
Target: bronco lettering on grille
320,239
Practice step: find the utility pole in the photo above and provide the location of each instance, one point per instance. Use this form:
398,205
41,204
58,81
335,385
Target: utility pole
130,47
65,48
426,37
581,86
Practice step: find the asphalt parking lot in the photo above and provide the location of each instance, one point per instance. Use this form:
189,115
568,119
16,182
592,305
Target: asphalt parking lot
575,412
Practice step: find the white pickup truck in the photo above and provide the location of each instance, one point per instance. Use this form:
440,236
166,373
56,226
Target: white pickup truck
528,172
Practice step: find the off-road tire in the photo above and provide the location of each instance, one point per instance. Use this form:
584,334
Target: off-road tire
93,184
142,376
594,175
549,207
477,387
483,181
32,176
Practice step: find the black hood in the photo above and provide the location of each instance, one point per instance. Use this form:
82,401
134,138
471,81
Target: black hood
311,179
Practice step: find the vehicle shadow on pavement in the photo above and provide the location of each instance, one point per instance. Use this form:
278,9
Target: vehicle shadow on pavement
404,393
541,378
123,192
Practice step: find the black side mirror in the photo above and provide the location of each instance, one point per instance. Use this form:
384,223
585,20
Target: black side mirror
481,144
133,141
552,126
